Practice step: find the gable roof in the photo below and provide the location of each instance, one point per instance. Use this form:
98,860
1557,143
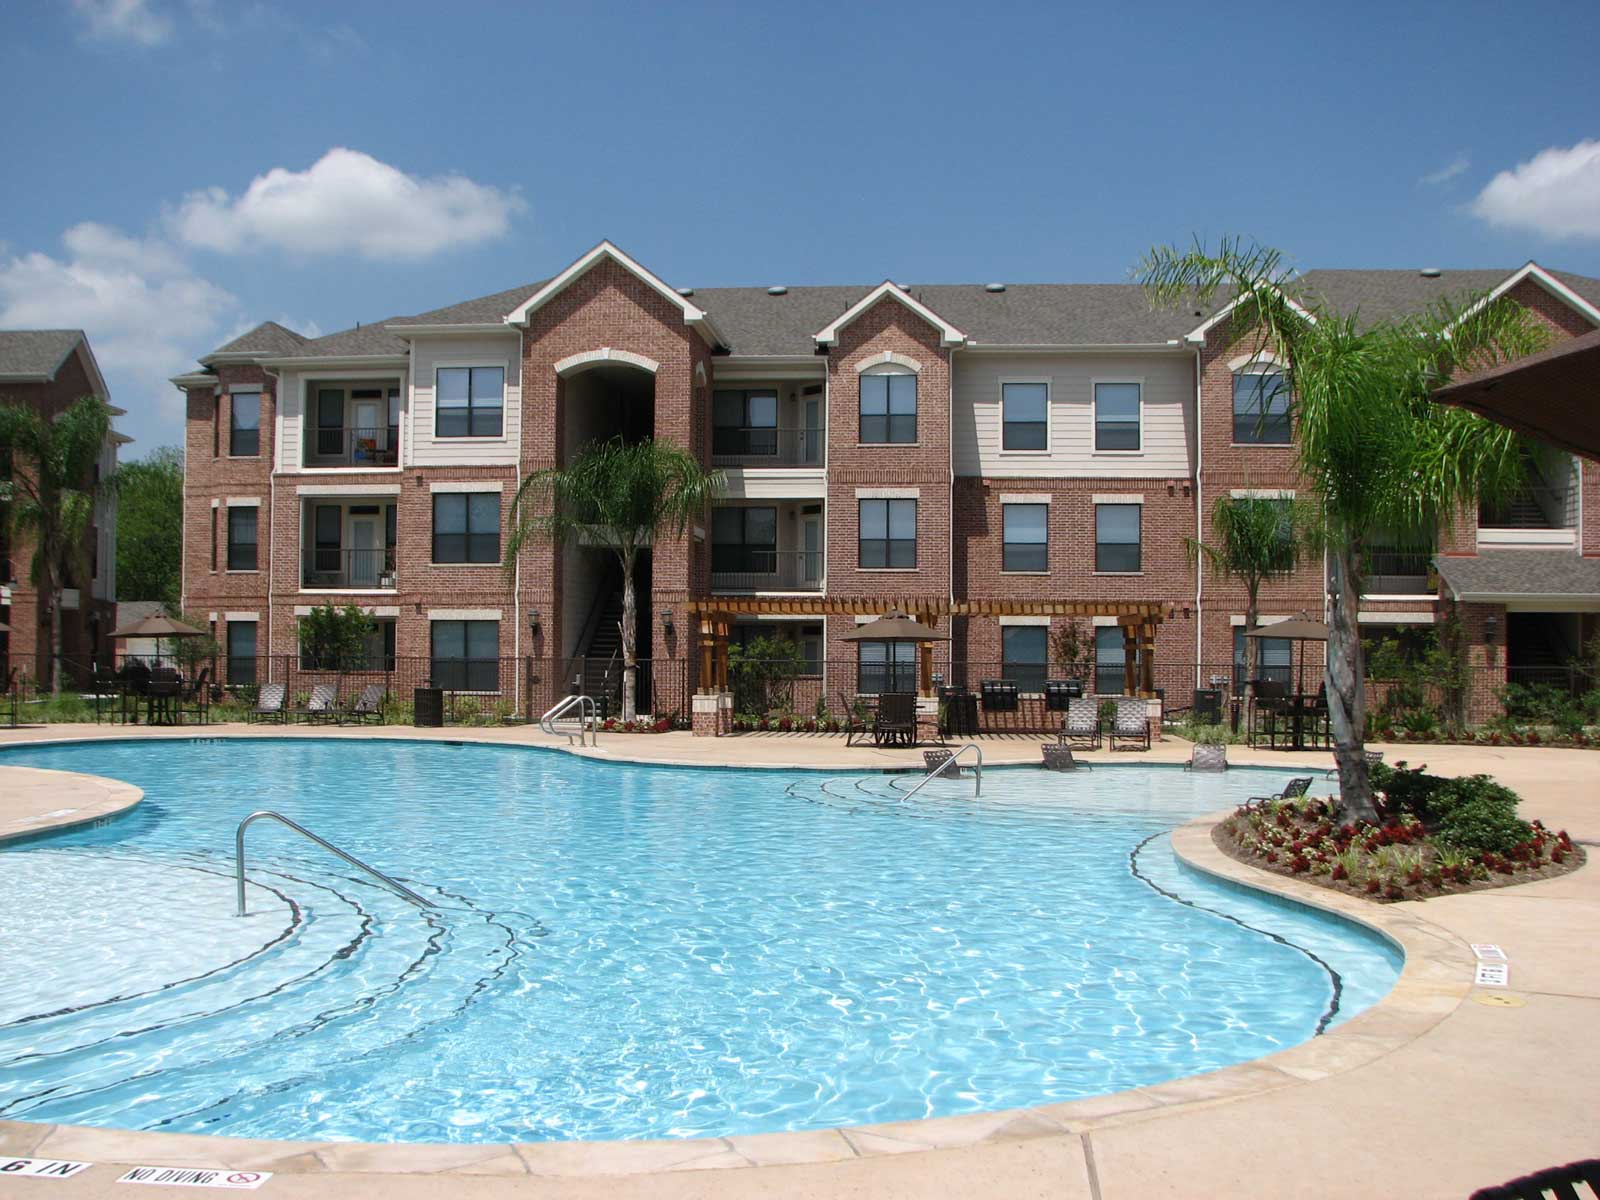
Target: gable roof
949,335
35,355
266,338
751,322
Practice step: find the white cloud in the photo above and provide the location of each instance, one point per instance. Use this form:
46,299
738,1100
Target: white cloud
124,21
346,202
1456,166
1555,194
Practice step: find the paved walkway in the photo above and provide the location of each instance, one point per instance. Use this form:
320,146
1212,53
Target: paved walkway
1441,1088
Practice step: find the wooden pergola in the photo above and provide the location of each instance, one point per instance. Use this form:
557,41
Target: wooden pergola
1138,621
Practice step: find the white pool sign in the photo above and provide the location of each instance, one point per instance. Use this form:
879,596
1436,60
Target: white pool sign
42,1168
1493,975
1488,952
239,1181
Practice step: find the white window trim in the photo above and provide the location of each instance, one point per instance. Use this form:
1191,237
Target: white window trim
465,614
1094,414
1027,622
347,489
244,502
1261,493
1265,363
1025,498
1112,498
1049,424
446,364
239,617
888,493
469,485
1237,619
1117,498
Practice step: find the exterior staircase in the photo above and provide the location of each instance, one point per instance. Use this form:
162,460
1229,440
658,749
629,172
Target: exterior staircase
602,656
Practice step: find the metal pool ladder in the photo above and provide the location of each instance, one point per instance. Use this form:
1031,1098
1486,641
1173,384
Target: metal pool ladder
588,718
260,814
977,771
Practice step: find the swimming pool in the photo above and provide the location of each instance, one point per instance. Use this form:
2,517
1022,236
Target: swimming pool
623,951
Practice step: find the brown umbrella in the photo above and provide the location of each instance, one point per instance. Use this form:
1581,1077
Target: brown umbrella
1298,629
895,626
157,627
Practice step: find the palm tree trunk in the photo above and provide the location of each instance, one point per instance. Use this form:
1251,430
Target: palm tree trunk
1252,608
630,616
1347,709
50,604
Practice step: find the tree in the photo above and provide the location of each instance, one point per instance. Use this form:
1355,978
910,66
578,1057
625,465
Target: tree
1380,459
620,496
150,527
51,496
1256,538
335,639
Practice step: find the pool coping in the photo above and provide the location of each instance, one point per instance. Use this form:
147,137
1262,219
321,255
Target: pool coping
1435,979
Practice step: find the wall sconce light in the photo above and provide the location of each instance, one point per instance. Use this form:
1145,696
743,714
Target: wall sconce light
533,620
666,621
1491,626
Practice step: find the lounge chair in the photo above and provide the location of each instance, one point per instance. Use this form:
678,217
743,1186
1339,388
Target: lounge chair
365,707
1059,758
323,705
932,760
269,704
895,723
1559,1183
1292,790
1080,728
1207,758
1132,723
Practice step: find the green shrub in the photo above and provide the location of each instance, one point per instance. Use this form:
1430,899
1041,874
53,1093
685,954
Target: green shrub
1475,814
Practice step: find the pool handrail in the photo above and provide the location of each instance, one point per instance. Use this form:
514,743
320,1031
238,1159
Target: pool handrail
977,771
264,813
588,717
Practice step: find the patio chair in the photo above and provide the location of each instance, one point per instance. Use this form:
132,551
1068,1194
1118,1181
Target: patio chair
323,705
933,759
1080,728
366,707
269,704
1059,758
1559,1183
856,713
197,700
1132,723
1292,790
1207,758
895,723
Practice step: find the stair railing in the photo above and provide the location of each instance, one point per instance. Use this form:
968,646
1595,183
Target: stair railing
263,814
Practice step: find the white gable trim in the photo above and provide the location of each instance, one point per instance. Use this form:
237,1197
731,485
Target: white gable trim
692,315
949,335
574,363
1548,282
889,358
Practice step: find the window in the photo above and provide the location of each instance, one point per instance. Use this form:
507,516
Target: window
1023,656
1110,658
1116,416
744,422
888,534
466,527
242,539
1260,408
744,541
811,648
241,651
1024,416
469,402
244,425
886,667
1116,537
1274,659
466,655
1026,537
330,422
888,407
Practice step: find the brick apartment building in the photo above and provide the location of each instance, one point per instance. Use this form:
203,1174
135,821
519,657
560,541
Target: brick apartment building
50,369
996,459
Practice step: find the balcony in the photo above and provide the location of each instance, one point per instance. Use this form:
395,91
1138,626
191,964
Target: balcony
740,568
338,446
359,570
765,446
1400,573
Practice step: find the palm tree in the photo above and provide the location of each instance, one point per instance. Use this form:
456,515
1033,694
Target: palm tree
1379,458
51,495
621,496
1257,539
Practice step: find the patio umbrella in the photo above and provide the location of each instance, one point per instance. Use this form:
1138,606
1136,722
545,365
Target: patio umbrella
1300,629
157,627
894,626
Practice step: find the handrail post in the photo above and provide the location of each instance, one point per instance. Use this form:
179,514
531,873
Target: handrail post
977,777
263,813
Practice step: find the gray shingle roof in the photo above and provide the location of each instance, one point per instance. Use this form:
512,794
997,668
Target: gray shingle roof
266,338
1541,574
31,353
1026,314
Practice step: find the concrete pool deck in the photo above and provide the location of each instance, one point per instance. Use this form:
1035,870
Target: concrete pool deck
1441,1088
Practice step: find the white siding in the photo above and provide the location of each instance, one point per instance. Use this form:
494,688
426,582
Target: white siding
289,452
488,350
1168,402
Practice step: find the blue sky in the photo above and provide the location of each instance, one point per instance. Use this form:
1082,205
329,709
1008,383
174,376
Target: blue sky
181,169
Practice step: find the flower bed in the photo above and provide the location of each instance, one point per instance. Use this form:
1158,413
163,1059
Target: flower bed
641,725
1436,836
747,723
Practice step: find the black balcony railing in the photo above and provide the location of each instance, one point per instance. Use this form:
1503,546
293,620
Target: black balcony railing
1398,573
342,447
757,569
333,567
765,446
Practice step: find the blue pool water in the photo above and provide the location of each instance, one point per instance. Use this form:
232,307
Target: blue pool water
624,951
